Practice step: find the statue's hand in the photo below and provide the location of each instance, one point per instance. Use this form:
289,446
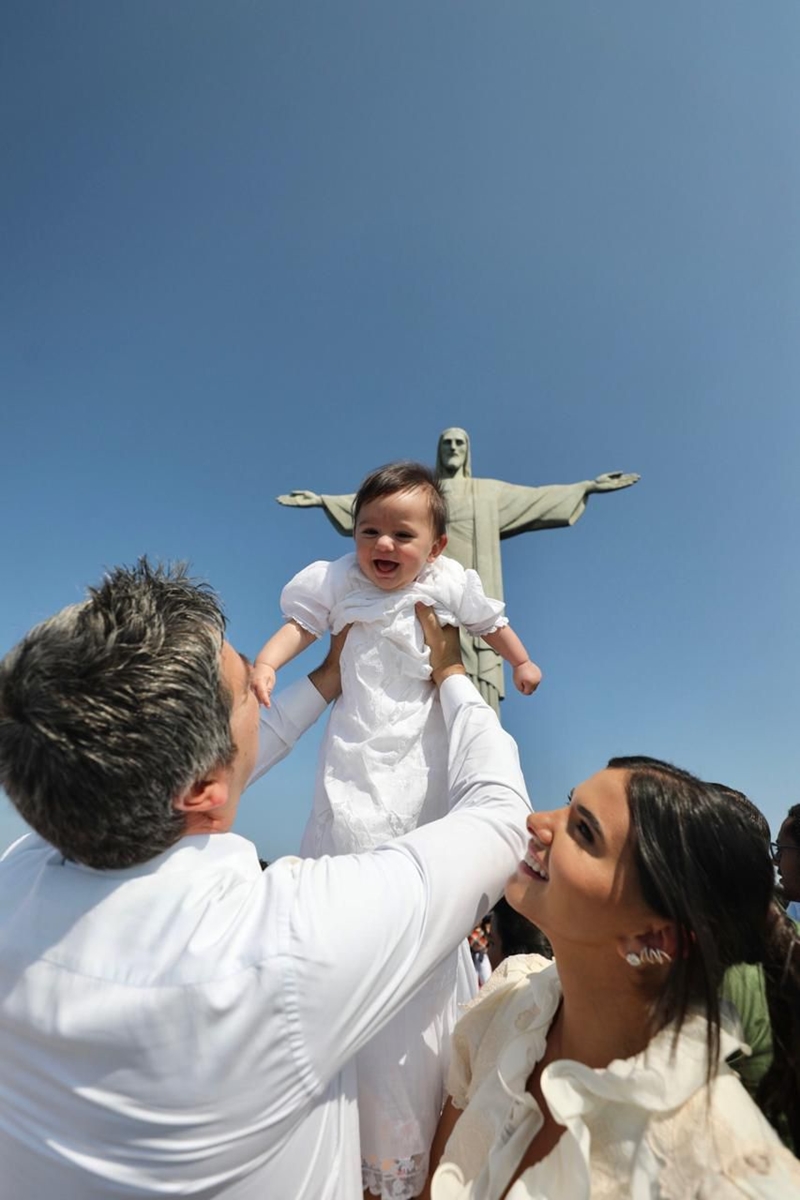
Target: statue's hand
612,481
301,499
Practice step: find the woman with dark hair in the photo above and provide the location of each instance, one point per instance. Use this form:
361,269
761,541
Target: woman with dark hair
604,1075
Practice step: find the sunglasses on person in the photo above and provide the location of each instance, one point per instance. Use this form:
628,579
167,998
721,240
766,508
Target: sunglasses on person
777,849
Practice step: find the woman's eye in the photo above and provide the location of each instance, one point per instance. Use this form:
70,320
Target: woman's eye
586,831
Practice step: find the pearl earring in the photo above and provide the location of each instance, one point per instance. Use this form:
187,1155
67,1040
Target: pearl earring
648,957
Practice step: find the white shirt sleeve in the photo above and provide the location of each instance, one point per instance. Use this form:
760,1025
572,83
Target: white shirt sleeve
363,931
293,711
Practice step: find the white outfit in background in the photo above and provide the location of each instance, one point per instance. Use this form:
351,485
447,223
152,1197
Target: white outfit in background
640,1129
188,1026
383,772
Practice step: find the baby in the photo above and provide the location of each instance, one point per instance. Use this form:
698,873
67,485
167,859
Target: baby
400,518
383,763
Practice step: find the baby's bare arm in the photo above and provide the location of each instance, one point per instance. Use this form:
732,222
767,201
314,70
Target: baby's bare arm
290,640
527,676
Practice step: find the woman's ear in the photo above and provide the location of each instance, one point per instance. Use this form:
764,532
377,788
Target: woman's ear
655,945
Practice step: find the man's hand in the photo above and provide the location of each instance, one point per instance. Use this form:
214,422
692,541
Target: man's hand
327,678
612,481
444,643
301,499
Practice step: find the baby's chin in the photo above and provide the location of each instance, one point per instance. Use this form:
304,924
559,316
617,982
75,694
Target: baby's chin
390,583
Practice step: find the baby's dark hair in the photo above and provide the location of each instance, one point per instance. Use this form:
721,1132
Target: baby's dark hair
404,477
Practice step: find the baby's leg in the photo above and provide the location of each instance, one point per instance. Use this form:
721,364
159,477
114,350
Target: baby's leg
401,1085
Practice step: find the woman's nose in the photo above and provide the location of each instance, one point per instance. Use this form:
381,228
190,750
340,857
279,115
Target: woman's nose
540,826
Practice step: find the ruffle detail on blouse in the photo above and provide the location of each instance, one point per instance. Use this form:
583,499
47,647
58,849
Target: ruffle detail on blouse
643,1127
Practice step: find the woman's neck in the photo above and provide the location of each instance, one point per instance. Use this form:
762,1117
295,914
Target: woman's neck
603,1014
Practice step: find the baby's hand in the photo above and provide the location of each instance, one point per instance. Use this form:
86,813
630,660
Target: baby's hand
527,677
263,681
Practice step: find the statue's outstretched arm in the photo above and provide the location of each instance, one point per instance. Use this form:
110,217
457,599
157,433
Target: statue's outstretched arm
338,509
611,482
301,499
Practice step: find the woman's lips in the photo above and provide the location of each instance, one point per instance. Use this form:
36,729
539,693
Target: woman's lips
532,865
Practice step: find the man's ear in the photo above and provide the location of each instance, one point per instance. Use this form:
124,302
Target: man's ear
659,939
203,797
437,547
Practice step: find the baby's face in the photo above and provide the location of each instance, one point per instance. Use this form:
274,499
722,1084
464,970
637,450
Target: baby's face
395,539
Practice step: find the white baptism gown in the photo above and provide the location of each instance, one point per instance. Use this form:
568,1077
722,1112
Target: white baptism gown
382,772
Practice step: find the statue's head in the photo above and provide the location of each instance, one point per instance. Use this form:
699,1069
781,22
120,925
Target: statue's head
453,454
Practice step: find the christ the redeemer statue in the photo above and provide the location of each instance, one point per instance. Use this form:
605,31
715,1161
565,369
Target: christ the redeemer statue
481,512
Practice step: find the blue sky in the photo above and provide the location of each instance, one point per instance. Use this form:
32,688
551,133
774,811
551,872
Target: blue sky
251,247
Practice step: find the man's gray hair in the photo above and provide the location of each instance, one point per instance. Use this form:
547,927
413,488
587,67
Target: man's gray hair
111,710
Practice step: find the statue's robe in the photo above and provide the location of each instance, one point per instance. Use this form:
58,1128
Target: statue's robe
481,513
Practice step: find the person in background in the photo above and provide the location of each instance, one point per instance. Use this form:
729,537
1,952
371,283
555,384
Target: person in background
478,947
786,856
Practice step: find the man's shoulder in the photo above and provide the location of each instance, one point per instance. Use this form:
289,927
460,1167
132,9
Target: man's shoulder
26,847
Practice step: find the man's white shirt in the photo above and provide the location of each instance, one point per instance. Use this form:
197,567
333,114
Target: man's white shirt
187,1026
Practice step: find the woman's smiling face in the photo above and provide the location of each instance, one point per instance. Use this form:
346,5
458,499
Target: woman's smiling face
578,880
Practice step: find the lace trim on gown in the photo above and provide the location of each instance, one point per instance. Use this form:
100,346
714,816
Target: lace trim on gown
395,1178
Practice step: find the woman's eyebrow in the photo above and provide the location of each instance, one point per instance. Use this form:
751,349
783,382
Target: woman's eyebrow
590,818
587,815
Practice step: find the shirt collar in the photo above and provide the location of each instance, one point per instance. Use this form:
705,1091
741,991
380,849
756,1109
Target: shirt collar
192,853
662,1077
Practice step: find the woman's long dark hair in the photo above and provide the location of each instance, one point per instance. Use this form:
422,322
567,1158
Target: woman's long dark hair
703,863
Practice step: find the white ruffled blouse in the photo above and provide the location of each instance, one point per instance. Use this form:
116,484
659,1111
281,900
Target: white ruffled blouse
648,1127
